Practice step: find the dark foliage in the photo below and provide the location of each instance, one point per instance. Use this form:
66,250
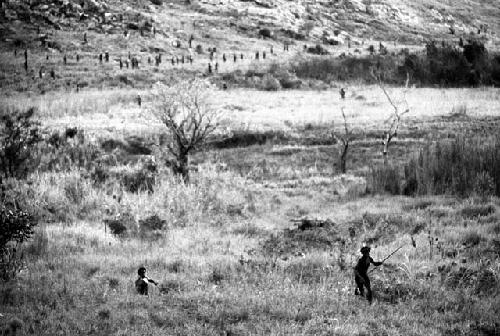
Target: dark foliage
142,178
300,240
450,65
16,226
151,227
121,224
19,133
444,65
63,151
317,50
462,166
384,179
345,69
249,138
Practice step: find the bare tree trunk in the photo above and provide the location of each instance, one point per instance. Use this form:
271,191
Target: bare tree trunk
343,158
385,151
182,166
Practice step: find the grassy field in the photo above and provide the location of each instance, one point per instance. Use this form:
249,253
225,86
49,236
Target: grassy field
227,249
230,261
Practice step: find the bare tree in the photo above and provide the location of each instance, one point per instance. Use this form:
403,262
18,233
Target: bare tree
395,119
343,139
189,116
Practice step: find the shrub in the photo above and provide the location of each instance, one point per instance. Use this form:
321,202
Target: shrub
462,166
472,238
245,138
474,211
17,226
385,179
139,179
317,50
121,224
269,83
19,133
59,153
151,227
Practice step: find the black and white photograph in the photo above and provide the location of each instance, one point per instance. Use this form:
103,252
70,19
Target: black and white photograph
250,167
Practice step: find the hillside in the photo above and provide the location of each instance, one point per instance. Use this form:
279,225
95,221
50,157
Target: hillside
79,32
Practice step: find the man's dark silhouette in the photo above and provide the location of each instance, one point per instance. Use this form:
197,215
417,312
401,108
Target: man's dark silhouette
342,93
361,274
141,284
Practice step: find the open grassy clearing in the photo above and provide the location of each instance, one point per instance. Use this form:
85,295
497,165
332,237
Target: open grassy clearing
230,261
366,108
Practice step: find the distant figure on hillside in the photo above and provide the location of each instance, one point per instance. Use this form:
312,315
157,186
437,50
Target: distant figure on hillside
342,93
361,274
141,284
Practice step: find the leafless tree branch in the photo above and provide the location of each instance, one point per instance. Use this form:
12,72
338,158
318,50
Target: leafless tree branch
186,111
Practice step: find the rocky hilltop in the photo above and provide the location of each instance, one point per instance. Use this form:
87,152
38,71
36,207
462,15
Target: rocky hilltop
327,21
79,43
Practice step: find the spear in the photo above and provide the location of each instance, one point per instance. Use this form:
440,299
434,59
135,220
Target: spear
413,243
390,255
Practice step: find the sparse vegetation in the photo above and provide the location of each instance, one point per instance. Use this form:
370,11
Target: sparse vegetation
263,237
19,134
17,227
186,111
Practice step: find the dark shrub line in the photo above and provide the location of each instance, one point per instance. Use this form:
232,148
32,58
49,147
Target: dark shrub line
461,167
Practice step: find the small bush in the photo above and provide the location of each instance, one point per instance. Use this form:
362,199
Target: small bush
472,238
120,225
152,223
17,226
317,50
139,178
19,134
39,245
474,211
152,226
385,179
269,83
